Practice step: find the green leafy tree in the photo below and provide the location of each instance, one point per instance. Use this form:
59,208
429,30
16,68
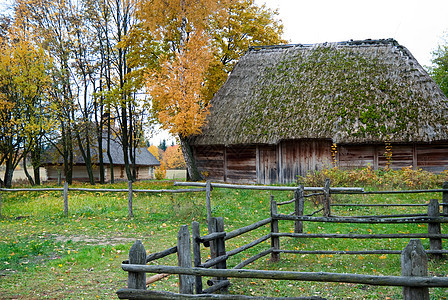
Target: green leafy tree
23,99
439,70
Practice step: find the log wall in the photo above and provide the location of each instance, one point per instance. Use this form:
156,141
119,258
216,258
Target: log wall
298,157
230,164
429,157
284,162
210,161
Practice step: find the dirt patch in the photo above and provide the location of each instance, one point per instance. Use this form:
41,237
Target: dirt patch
98,240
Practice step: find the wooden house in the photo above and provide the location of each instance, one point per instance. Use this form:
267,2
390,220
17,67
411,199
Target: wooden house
145,164
287,110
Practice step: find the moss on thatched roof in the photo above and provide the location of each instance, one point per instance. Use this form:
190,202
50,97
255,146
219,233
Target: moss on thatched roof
350,92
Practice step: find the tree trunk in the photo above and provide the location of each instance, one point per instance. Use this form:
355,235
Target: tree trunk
125,142
36,162
192,169
28,176
85,152
109,154
101,157
9,172
36,171
67,152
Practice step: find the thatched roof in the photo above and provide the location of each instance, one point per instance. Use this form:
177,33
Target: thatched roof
142,156
350,92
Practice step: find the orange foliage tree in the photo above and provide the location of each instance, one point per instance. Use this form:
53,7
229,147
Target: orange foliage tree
201,40
154,151
175,86
173,158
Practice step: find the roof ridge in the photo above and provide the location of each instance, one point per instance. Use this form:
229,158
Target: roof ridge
389,41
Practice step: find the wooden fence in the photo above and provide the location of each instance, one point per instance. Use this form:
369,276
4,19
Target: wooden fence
414,279
203,187
130,191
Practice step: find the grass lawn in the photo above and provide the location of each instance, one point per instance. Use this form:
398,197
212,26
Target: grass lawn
45,255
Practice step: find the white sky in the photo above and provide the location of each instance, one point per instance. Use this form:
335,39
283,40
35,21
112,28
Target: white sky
418,25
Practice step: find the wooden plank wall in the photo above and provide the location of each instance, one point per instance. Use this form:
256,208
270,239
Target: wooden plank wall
298,157
432,157
241,164
231,164
429,157
283,163
267,164
210,161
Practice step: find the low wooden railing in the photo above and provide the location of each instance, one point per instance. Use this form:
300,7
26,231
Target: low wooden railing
415,281
130,191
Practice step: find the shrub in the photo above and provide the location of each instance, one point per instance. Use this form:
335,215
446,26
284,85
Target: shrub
160,172
405,178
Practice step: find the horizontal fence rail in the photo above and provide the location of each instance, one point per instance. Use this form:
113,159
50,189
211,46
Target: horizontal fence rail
368,220
104,190
413,281
361,236
130,190
268,188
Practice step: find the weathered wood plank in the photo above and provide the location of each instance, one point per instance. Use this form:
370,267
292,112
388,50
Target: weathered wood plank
208,194
417,281
137,256
161,254
253,258
186,282
247,228
361,236
158,295
354,252
249,245
210,237
362,220
414,262
216,286
434,228
196,255
445,198
276,188
221,249
298,208
275,241
327,199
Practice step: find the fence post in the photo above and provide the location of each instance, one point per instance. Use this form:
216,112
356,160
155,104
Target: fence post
414,262
327,204
275,240
212,228
221,248
130,195
59,177
186,282
65,195
434,228
208,187
298,209
445,198
197,254
137,256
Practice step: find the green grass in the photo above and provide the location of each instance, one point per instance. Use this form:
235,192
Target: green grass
45,255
